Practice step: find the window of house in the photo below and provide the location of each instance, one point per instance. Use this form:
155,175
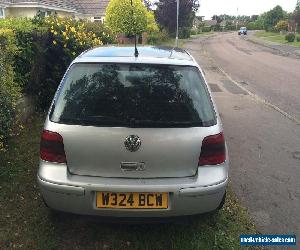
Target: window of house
97,19
44,13
1,12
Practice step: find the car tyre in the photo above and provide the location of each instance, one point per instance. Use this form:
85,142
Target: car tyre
222,202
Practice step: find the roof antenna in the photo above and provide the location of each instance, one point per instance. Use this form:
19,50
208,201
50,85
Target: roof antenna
136,52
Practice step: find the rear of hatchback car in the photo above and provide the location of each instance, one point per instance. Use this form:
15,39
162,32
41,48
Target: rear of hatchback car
133,137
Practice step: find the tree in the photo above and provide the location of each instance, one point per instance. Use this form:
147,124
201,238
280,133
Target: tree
151,24
122,17
260,22
166,14
254,18
297,9
282,25
297,13
273,17
148,4
219,19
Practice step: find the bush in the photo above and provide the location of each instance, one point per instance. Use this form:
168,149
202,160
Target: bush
193,32
101,31
217,27
55,44
251,26
290,37
45,49
22,28
156,38
282,25
298,38
9,90
184,32
206,29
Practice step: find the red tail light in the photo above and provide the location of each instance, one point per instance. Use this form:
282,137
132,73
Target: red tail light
52,147
213,150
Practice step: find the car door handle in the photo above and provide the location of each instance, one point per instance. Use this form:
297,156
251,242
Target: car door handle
133,166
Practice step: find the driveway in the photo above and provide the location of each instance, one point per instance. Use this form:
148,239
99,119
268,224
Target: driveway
258,96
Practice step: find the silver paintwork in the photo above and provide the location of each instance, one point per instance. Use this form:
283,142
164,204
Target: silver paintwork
188,195
95,156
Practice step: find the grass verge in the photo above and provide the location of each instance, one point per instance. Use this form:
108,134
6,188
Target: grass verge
171,41
275,37
26,223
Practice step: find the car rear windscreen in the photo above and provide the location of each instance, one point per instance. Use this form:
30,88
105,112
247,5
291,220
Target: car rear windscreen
133,95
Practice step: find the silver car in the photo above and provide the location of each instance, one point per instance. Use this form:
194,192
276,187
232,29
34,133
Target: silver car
133,136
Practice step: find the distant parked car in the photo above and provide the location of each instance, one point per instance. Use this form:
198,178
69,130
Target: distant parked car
243,31
133,136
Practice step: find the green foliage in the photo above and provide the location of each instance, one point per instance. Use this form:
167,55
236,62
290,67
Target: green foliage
297,9
101,31
256,25
9,90
158,37
56,44
22,28
184,32
45,49
166,14
217,27
259,23
298,38
251,26
151,23
282,25
290,37
272,17
17,24
193,32
206,29
121,17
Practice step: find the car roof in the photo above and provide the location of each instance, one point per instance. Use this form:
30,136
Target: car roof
147,54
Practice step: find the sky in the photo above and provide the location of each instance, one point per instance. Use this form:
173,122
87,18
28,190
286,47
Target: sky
245,7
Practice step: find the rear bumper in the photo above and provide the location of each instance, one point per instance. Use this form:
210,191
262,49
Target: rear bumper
187,196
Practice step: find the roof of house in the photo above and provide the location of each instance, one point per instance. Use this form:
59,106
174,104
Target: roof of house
92,7
84,7
210,22
65,4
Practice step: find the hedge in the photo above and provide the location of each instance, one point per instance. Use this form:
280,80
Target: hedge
10,92
34,56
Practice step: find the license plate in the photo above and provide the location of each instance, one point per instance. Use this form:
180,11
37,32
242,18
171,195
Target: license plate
132,200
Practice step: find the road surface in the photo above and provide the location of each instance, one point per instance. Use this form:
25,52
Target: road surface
258,95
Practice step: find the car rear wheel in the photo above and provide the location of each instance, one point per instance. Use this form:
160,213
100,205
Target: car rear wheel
222,202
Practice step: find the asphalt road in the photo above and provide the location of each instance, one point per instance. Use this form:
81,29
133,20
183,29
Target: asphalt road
274,77
258,95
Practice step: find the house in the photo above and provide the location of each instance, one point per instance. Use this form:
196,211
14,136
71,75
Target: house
197,21
292,26
209,23
92,10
